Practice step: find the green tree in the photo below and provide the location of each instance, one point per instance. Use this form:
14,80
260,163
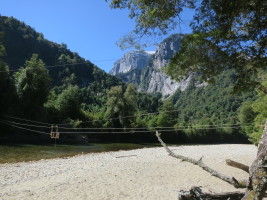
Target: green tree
33,85
149,102
121,104
167,117
130,99
259,107
130,96
153,18
68,103
2,48
7,90
246,116
253,114
4,75
4,70
226,34
115,106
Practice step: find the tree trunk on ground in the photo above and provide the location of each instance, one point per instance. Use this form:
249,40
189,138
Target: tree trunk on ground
195,193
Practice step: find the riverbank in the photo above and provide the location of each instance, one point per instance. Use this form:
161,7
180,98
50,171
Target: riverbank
147,173
12,153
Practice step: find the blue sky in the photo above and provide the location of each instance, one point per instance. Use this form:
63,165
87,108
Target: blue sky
88,27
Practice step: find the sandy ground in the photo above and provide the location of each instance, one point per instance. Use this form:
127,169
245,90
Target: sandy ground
137,174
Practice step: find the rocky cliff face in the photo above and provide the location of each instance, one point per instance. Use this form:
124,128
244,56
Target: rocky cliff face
155,80
160,82
166,50
131,60
150,77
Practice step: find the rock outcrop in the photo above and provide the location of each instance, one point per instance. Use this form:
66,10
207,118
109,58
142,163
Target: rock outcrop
146,70
131,60
155,80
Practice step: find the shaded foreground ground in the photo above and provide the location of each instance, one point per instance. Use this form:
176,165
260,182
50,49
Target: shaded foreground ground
136,174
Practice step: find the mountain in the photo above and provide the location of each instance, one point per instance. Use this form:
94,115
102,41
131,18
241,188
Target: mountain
150,76
131,60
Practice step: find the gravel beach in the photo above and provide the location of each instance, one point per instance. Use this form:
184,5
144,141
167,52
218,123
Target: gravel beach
147,173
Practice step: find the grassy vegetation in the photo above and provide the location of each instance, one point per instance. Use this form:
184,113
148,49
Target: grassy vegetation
26,152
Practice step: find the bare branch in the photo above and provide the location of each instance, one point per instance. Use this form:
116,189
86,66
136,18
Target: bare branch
237,165
230,180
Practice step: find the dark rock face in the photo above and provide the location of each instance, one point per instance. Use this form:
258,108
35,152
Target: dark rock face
131,60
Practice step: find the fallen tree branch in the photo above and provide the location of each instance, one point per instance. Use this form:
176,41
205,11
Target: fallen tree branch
237,165
195,193
230,180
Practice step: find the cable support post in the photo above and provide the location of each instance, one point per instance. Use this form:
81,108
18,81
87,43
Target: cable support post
54,134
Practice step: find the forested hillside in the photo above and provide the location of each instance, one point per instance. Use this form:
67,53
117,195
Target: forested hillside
201,109
21,41
45,82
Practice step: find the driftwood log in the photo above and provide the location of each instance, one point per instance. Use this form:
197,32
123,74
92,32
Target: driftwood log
195,193
256,186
